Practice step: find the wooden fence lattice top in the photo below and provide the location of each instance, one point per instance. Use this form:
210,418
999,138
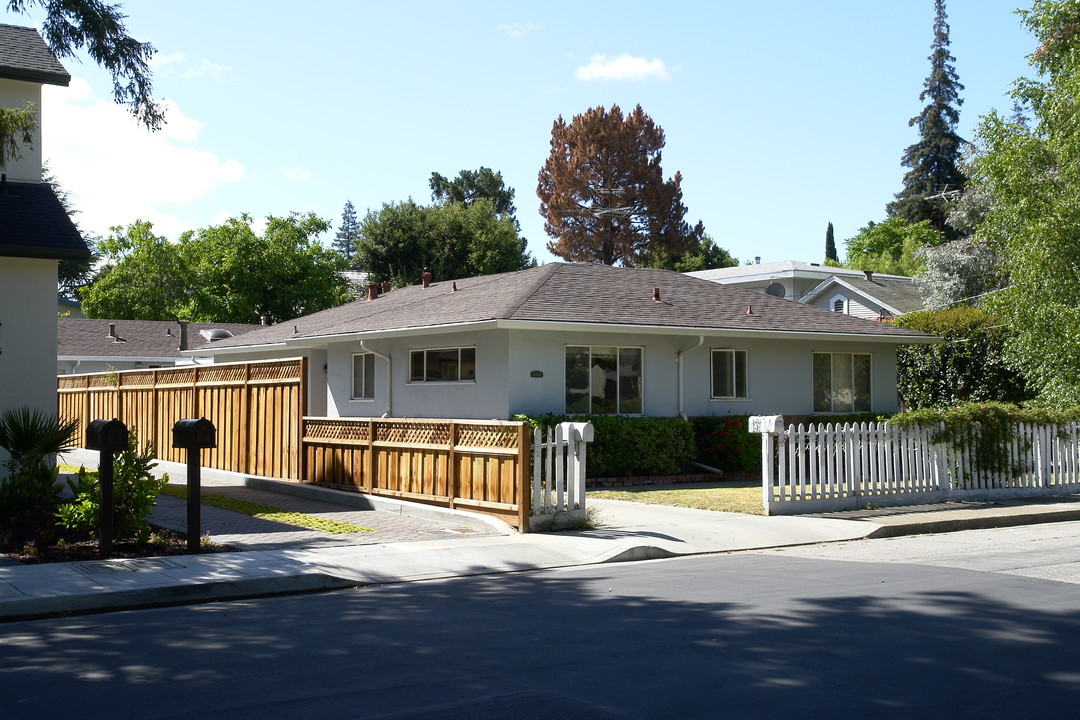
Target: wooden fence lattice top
478,434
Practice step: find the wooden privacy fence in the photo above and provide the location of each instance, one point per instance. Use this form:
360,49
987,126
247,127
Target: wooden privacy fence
255,406
819,468
473,465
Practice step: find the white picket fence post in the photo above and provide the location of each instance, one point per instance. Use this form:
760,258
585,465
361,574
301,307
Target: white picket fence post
558,480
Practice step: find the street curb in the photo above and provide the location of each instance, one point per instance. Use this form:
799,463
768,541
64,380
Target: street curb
35,608
985,522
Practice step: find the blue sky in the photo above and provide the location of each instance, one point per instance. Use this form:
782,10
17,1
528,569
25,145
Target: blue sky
781,116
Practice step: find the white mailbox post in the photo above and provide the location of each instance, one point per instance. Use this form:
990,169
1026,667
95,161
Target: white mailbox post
769,427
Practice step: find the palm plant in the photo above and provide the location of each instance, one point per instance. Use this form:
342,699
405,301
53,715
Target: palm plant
31,439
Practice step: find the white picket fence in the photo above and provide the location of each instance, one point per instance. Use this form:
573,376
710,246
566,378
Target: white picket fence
820,468
558,480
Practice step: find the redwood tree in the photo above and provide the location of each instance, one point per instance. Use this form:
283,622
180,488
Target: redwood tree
603,195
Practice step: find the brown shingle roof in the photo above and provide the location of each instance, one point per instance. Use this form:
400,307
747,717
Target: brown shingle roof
25,56
33,223
86,338
573,293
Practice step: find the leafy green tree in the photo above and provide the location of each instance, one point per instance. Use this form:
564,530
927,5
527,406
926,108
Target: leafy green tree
830,245
98,27
16,126
969,366
933,161
1033,173
348,235
472,185
143,278
224,273
454,240
238,276
706,256
890,247
603,195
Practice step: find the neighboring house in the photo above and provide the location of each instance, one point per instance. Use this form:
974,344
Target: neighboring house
582,338
797,281
68,308
87,346
871,296
35,233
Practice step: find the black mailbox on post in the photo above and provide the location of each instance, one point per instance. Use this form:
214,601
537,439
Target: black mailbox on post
108,435
194,434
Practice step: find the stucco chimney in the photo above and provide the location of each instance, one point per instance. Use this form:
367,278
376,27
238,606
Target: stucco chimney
183,334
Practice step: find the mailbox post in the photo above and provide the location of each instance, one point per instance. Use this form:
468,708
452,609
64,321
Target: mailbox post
107,437
194,435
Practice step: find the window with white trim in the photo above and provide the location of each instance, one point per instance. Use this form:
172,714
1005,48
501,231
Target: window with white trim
728,375
841,382
363,376
603,380
457,364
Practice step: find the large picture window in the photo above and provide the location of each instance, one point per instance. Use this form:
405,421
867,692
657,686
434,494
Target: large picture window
729,375
841,382
603,380
442,365
363,376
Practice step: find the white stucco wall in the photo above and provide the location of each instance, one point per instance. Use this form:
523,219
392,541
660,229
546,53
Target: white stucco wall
16,94
27,333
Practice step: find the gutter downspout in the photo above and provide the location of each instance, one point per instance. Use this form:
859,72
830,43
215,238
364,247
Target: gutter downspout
679,370
389,378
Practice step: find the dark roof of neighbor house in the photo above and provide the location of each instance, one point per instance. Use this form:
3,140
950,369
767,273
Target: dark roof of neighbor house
25,56
88,338
573,293
895,292
34,224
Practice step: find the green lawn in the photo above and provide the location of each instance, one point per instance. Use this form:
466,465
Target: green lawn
732,496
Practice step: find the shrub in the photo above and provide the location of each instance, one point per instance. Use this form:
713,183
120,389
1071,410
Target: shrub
31,439
135,491
724,442
625,446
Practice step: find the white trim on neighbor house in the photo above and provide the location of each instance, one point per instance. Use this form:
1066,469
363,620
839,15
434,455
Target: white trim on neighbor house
825,285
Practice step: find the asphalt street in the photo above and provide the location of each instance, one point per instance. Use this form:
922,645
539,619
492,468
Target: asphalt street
963,628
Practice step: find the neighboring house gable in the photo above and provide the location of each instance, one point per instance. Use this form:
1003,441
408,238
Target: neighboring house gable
90,345
868,296
580,338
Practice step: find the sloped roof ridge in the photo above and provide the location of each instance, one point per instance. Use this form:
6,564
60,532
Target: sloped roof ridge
543,275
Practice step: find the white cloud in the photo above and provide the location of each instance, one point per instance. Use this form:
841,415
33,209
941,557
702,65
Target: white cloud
622,68
177,65
516,30
118,172
295,174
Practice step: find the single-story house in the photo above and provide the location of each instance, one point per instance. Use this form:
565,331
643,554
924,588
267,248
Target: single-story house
89,345
801,281
868,295
35,233
581,338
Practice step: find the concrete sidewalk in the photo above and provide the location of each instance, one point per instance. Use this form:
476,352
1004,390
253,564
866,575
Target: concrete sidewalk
628,531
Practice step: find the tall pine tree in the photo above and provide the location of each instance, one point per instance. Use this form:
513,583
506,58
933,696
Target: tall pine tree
348,235
830,246
934,161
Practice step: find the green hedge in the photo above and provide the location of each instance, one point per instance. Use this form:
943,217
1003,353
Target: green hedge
725,443
628,446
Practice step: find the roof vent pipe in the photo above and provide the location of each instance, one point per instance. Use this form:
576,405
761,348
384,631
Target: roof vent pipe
183,334
112,330
757,259
425,279
372,291
454,287
262,320
656,294
749,309
386,286
869,275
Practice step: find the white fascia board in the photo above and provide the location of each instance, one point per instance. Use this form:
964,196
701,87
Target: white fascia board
714,332
117,358
233,350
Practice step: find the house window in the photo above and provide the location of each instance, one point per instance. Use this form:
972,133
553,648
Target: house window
603,380
442,365
363,376
729,375
841,382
